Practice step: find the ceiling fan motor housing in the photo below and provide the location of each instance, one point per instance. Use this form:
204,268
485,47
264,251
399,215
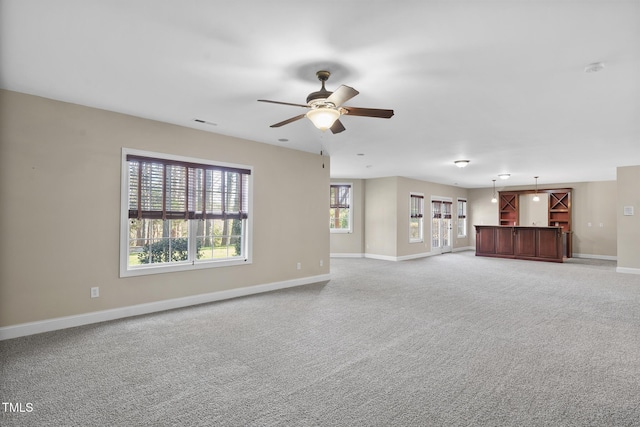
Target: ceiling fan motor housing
323,93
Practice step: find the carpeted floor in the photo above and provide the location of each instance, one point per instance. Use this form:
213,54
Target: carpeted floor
450,340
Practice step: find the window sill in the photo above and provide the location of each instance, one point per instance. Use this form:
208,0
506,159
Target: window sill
160,269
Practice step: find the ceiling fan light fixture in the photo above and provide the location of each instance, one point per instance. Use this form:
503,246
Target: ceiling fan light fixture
323,117
461,163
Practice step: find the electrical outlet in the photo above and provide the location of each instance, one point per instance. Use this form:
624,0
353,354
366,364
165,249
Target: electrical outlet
321,263
95,292
298,266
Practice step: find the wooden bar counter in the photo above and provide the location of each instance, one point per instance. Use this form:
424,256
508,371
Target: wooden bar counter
520,242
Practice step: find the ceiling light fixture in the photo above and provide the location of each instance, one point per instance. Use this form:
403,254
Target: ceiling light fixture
323,117
494,199
504,175
536,198
461,163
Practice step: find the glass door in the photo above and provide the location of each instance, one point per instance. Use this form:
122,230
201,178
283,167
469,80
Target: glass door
441,225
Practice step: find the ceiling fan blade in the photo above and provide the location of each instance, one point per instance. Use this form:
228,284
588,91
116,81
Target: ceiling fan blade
337,127
283,103
286,122
342,95
368,112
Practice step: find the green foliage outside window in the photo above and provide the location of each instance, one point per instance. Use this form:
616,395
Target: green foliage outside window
166,250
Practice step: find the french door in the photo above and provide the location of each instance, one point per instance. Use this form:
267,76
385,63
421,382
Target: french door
441,225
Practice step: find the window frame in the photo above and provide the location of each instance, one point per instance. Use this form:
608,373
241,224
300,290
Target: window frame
342,230
192,264
462,218
421,217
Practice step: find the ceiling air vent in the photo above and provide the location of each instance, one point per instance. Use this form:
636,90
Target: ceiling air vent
204,122
594,68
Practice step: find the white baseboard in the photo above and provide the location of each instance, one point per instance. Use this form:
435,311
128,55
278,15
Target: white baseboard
346,255
627,270
415,256
607,257
381,257
48,325
398,258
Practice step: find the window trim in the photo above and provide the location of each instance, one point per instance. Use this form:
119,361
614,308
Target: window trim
421,238
125,271
343,230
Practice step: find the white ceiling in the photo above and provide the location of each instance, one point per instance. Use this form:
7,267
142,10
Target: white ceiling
501,83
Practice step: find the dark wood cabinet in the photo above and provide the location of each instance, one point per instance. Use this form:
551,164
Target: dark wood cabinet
504,240
560,209
559,214
532,243
525,242
509,213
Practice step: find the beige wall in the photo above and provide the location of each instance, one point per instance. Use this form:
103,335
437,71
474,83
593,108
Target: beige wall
592,203
628,225
386,216
60,190
406,186
381,217
351,244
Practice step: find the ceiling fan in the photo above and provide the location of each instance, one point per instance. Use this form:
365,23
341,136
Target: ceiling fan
325,107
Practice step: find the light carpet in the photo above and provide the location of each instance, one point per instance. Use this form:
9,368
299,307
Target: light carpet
450,340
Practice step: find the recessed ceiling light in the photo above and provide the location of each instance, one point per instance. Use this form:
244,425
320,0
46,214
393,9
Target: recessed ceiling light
504,175
461,163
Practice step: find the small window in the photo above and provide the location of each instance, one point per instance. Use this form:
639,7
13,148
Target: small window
340,208
180,213
416,218
462,218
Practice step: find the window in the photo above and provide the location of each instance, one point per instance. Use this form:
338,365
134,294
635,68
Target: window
462,218
416,218
340,208
180,213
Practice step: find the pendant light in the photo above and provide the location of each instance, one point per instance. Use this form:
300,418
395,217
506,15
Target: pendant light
535,196
494,199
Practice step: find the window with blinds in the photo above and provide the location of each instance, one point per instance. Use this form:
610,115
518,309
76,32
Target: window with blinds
416,218
462,218
165,189
340,208
181,213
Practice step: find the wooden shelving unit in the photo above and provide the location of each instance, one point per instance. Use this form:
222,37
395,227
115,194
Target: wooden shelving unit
508,208
560,209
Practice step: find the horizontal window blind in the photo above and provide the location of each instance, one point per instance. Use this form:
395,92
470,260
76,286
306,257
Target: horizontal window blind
170,189
441,209
462,208
339,196
416,206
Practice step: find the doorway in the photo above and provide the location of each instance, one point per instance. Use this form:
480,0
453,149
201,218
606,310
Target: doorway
441,225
